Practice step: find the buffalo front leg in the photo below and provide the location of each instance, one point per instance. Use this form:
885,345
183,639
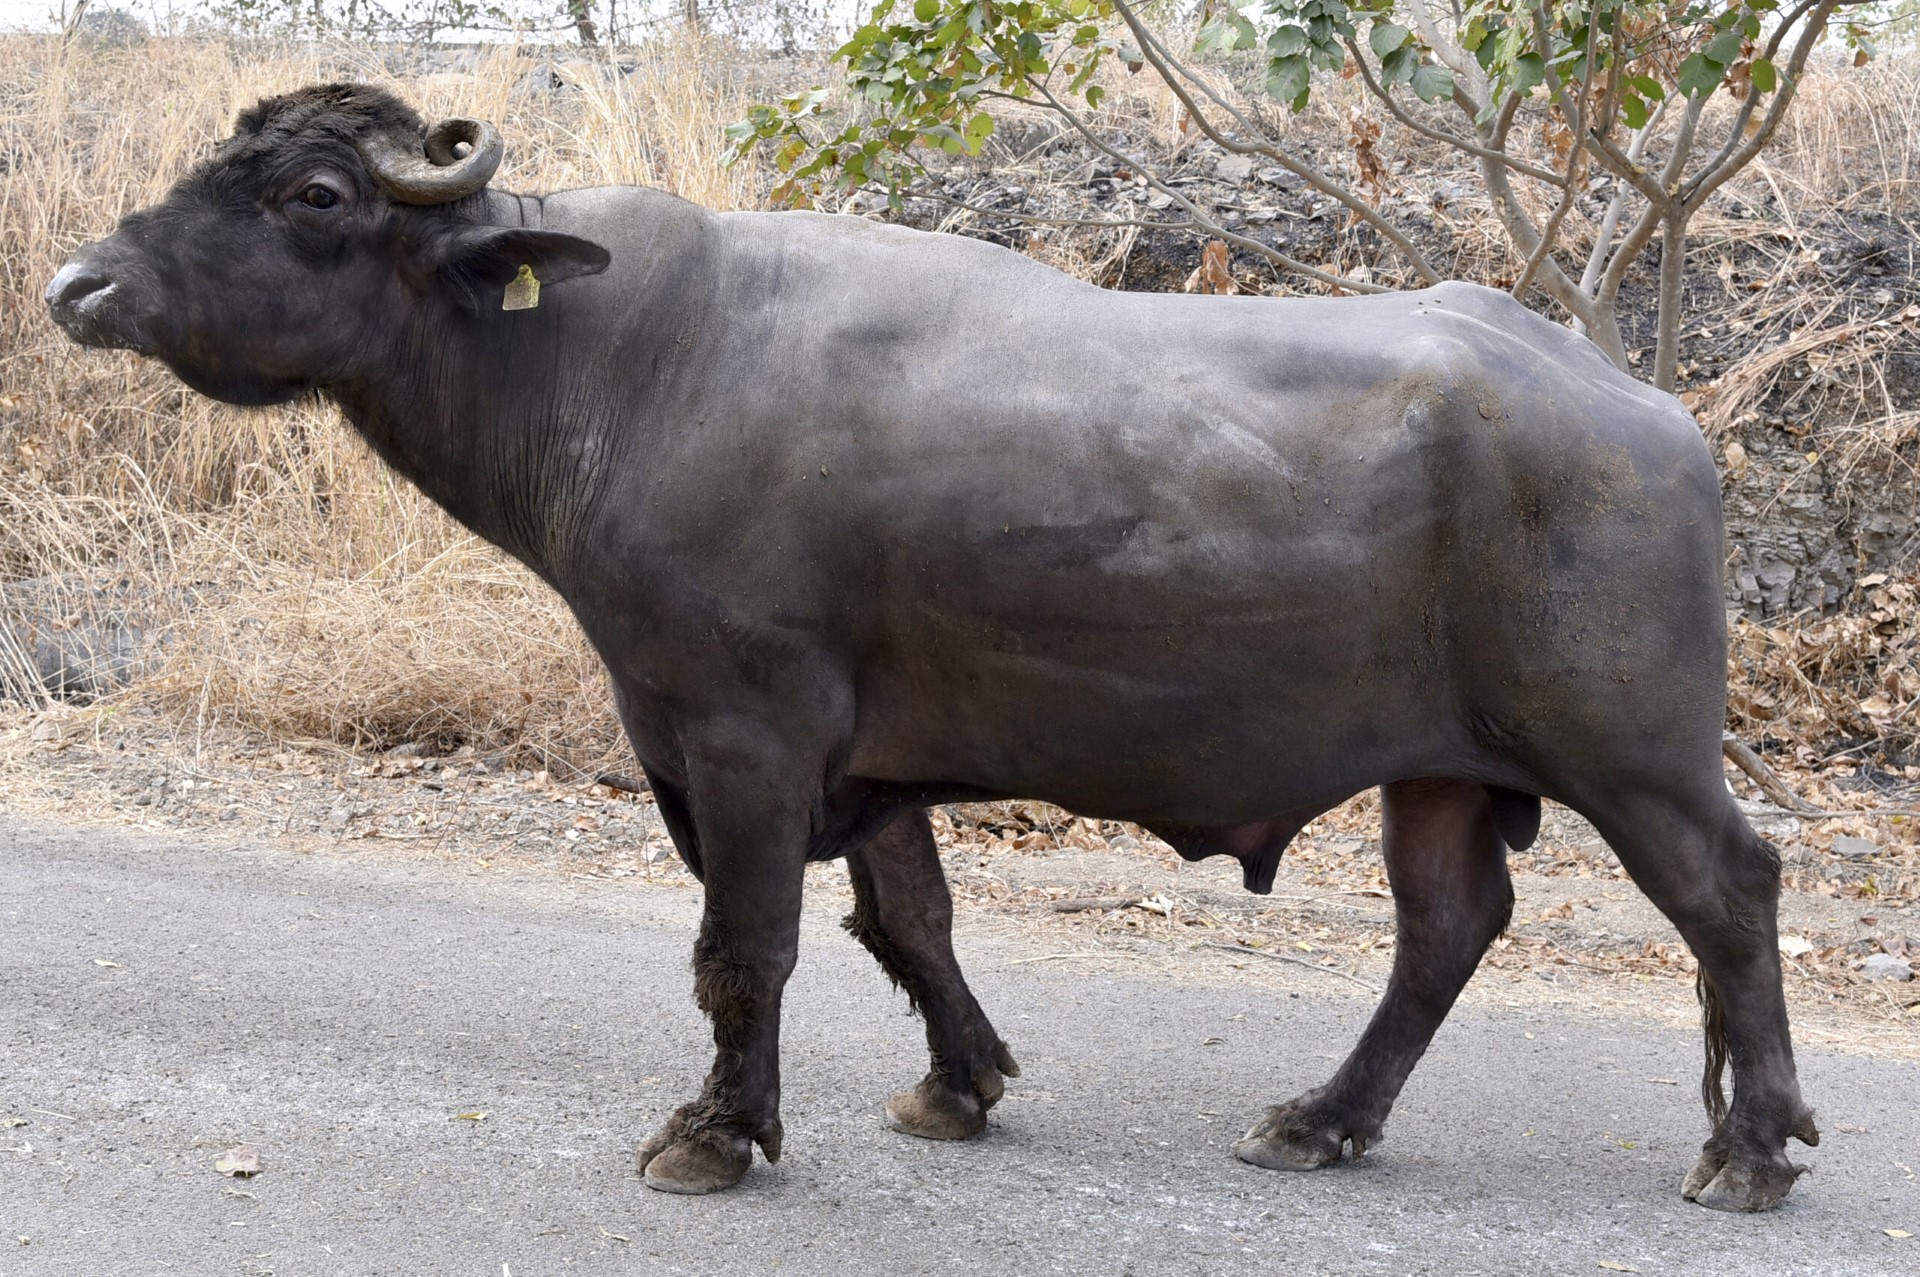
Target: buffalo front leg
751,823
1448,869
903,914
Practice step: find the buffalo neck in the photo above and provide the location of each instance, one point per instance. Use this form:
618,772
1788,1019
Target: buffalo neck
516,422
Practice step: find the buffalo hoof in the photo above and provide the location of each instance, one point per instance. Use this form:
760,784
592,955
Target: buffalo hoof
1296,1136
1736,1181
704,1163
933,1110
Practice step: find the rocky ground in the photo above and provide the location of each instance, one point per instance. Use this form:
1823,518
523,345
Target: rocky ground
1581,933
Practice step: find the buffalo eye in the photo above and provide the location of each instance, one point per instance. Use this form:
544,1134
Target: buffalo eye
320,197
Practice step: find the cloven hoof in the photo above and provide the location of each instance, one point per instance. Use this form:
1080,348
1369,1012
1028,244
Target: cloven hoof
1285,1155
691,1167
1720,1183
935,1112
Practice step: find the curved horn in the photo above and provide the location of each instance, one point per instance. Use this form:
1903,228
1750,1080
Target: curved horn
435,172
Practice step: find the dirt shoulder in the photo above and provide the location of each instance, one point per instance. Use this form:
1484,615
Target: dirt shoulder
1583,939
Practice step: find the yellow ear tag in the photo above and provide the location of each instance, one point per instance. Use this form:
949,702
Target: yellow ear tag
524,292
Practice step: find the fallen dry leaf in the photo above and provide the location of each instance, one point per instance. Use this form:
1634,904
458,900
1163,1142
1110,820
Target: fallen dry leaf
477,1115
1896,1232
1612,1267
105,962
240,1161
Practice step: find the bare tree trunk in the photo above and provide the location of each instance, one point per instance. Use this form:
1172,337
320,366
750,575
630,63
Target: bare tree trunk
692,12
581,11
1603,329
1673,270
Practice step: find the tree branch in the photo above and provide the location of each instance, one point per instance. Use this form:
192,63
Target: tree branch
1187,206
1454,140
1171,71
1520,228
1576,118
1617,205
1466,71
1731,158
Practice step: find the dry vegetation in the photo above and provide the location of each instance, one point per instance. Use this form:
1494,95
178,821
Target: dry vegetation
295,593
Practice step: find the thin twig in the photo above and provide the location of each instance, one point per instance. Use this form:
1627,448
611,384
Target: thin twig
1743,757
1288,957
1040,219
1454,140
1056,957
1171,71
1187,206
1081,904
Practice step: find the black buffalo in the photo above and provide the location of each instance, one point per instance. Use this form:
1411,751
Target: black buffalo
863,519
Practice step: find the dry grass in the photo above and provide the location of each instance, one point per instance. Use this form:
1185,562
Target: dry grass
304,591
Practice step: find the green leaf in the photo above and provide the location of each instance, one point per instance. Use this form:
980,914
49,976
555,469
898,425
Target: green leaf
1699,76
1287,78
1386,37
979,129
1724,48
1432,83
1217,35
1648,87
1286,41
1634,108
1529,71
926,10
1398,67
1765,78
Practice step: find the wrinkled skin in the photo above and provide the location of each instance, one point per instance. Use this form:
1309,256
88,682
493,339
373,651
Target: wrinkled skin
863,519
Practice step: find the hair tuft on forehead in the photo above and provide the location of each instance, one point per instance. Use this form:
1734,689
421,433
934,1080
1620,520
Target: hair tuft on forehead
333,112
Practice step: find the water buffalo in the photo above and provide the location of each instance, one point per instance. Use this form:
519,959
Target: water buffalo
863,519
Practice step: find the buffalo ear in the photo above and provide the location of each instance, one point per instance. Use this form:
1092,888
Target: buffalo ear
474,263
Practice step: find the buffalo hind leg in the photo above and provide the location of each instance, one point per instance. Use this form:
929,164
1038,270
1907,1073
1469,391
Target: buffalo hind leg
1718,882
1448,868
903,914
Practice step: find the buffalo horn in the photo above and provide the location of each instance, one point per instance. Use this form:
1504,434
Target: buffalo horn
435,172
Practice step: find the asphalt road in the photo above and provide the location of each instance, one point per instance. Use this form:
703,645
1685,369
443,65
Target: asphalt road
339,1013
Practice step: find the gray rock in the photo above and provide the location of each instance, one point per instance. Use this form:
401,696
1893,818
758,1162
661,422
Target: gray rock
539,82
1124,842
1851,848
1884,966
63,639
1233,169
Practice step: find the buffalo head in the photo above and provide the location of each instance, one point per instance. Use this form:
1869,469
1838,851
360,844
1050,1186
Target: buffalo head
301,254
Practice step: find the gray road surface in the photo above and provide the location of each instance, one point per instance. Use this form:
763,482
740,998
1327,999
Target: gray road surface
339,1013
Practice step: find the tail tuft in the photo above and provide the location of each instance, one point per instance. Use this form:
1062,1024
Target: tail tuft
1713,1021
